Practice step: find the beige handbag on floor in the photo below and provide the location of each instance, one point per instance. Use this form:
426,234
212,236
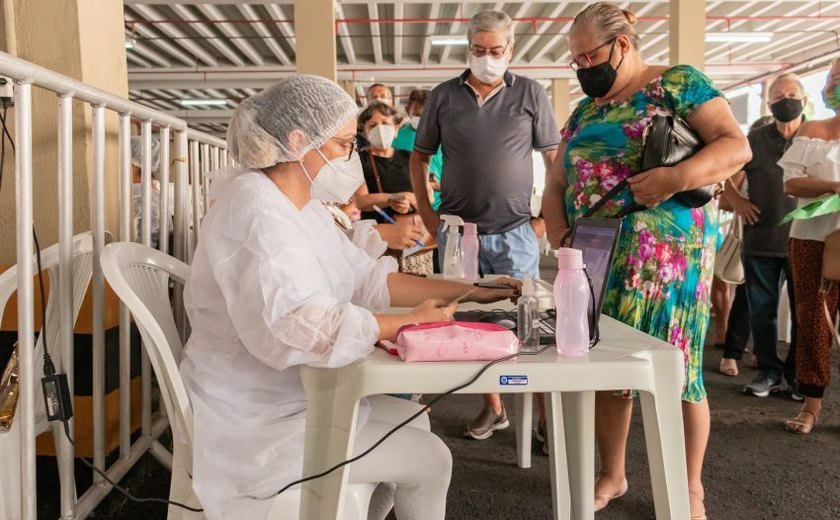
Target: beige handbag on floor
728,266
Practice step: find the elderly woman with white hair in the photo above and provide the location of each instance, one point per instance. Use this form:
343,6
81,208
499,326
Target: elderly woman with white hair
275,285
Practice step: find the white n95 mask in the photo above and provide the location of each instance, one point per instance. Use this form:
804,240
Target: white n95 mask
487,69
337,180
382,136
414,122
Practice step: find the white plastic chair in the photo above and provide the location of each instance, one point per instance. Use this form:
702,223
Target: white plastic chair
139,276
10,441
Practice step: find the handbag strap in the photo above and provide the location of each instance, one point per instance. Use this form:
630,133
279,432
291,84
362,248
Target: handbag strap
831,323
375,171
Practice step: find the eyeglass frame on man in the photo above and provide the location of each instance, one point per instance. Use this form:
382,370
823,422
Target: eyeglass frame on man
574,65
492,51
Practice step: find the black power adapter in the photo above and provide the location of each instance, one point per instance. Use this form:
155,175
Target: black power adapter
57,397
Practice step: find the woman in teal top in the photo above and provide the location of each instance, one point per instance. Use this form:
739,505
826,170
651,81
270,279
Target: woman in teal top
405,140
661,275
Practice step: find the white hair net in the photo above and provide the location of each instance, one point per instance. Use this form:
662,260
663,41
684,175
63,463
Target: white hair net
137,152
263,129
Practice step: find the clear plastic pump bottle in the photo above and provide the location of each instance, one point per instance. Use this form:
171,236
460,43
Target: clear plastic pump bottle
452,266
571,298
528,317
469,252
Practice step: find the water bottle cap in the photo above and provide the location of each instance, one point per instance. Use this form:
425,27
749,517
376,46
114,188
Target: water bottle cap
470,228
569,258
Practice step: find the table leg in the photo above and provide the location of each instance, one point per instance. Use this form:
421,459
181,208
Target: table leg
662,416
558,465
523,414
579,424
330,427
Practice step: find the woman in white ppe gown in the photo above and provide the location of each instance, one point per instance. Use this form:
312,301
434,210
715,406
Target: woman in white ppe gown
275,285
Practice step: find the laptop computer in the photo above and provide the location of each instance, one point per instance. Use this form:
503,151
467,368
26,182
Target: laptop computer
597,238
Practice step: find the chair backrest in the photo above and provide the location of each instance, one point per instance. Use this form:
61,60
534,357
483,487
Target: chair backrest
82,270
140,275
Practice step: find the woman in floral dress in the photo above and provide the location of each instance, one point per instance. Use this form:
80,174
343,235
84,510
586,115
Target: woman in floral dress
661,275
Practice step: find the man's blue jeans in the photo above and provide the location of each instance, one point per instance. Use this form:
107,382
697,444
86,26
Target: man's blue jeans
764,277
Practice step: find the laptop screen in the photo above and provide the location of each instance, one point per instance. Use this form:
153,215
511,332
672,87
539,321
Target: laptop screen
597,237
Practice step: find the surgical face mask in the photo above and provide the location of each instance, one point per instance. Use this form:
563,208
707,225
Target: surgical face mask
337,180
597,80
831,97
387,101
787,109
381,136
414,122
488,69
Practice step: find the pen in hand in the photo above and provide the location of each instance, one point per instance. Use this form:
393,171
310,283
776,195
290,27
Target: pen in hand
390,220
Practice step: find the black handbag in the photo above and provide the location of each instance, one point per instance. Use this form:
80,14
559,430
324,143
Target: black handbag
667,140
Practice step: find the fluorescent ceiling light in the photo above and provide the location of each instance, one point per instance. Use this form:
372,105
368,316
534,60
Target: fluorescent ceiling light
449,40
130,42
757,37
203,102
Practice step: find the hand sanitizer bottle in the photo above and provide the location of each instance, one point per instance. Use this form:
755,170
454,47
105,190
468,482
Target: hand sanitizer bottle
528,317
452,267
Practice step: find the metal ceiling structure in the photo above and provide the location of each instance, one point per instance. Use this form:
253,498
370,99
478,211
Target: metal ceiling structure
226,50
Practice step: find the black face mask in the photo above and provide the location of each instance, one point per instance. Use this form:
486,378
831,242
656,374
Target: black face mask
787,109
597,80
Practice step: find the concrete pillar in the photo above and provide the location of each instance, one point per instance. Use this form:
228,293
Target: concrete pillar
560,99
349,86
688,33
315,51
91,50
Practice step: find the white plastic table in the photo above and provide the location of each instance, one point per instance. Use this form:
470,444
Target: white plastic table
625,358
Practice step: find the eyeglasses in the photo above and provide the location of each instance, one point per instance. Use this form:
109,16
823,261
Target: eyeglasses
496,52
351,143
576,64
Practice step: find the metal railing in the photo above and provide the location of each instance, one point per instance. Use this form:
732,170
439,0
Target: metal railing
194,155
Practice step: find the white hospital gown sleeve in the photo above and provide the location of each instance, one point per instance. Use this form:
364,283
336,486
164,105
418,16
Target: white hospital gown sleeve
371,290
281,307
365,236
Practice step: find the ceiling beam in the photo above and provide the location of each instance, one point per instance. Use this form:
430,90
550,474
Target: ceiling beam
215,115
524,47
344,37
211,37
177,35
250,14
285,27
150,54
253,78
213,13
373,14
398,31
434,12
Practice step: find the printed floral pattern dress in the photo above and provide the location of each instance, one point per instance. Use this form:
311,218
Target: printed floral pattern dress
661,276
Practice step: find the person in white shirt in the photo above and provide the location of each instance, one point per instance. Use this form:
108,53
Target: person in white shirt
275,285
812,170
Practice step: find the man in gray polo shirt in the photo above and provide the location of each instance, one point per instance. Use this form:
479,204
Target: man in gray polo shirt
488,122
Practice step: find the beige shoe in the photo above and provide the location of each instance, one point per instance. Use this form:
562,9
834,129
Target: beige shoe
728,367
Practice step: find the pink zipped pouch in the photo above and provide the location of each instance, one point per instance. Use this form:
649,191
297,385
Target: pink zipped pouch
455,341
